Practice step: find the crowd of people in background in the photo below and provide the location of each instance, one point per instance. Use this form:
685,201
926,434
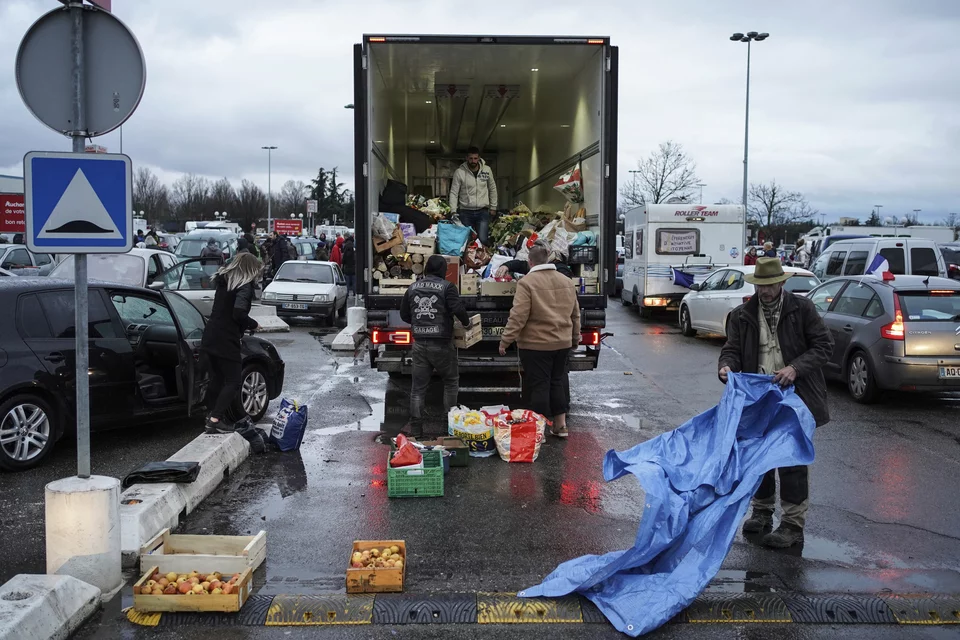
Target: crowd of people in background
799,256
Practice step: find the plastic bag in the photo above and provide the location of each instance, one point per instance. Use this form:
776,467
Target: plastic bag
495,263
452,238
476,257
406,454
381,227
574,219
289,425
408,229
472,428
585,239
570,185
519,434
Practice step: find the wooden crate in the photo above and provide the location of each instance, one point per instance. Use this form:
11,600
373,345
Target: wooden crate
383,580
382,246
424,245
224,603
466,338
204,554
394,286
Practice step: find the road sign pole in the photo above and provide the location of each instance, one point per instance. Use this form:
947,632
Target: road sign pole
80,260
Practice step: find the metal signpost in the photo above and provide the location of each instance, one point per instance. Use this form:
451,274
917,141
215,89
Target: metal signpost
81,72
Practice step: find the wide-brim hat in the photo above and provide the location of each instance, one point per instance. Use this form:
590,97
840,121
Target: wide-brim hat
767,271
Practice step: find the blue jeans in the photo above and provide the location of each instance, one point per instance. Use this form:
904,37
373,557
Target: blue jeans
479,219
351,283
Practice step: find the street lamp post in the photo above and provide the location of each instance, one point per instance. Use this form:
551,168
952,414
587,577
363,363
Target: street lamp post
633,179
269,186
749,38
879,207
701,185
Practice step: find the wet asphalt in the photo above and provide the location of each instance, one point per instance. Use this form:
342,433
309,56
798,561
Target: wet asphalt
882,491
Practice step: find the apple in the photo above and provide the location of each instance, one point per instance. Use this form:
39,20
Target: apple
193,574
216,591
198,589
190,593
170,590
394,549
163,582
157,591
229,588
145,590
215,584
398,564
171,577
235,578
205,585
185,587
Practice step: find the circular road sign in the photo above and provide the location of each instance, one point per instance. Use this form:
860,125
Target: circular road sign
114,71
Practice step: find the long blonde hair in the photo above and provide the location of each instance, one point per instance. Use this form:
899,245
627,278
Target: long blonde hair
243,269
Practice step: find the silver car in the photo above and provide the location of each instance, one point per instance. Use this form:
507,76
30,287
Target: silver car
898,334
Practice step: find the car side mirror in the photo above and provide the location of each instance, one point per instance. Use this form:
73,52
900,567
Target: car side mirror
156,285
694,287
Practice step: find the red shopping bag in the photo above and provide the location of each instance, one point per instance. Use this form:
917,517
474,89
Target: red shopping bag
519,437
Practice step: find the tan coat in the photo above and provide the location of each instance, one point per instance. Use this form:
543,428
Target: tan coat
545,314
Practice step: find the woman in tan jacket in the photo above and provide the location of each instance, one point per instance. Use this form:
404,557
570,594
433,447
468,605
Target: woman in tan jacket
545,324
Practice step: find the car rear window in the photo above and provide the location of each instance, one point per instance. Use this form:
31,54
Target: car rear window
923,261
122,268
926,306
800,284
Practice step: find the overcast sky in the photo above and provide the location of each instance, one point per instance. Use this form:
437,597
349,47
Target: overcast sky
853,103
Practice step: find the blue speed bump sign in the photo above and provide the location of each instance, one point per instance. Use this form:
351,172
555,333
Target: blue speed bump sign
78,203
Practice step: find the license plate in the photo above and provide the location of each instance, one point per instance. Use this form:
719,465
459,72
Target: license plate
291,305
493,331
950,372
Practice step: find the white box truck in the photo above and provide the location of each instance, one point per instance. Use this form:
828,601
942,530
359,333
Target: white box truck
661,238
535,106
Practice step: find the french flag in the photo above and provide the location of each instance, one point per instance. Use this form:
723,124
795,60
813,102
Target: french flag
878,267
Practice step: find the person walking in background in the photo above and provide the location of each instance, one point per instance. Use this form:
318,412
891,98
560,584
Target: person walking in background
349,264
212,250
336,254
803,254
781,335
751,257
252,245
768,251
473,194
220,346
279,252
140,237
545,324
429,307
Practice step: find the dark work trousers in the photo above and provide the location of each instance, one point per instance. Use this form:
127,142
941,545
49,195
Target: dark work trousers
794,493
431,355
546,385
224,386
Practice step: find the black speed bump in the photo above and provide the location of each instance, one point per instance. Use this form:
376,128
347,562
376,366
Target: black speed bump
815,609
449,608
334,609
716,608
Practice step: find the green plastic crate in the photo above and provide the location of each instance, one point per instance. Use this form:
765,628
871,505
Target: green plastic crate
417,483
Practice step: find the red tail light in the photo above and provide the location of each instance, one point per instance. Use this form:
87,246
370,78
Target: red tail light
590,338
746,299
399,337
894,330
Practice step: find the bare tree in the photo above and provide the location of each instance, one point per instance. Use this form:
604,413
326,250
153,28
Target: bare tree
667,173
293,197
149,195
631,195
222,196
250,205
773,206
188,197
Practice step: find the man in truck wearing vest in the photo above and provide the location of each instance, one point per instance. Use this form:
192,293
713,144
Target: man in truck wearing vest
473,194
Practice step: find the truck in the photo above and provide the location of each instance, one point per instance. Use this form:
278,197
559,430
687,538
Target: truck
663,240
928,232
536,106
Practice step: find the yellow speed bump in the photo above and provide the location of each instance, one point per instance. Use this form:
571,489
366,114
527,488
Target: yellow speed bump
144,619
320,610
507,608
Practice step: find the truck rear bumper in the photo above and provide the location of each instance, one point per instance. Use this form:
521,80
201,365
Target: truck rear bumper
401,362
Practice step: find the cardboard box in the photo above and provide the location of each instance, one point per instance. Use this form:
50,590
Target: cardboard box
466,338
456,446
491,288
587,271
423,245
469,284
453,269
380,579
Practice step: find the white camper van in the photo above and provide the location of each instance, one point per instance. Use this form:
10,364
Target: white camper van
693,239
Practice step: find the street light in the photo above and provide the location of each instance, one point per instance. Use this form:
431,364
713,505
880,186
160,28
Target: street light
749,38
879,206
701,185
269,186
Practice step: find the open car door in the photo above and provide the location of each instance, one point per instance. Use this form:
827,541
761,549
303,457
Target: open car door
190,325
193,279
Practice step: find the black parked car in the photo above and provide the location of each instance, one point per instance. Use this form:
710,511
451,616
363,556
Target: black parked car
144,363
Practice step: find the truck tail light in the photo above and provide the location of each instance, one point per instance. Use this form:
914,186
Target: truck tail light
389,336
894,330
590,338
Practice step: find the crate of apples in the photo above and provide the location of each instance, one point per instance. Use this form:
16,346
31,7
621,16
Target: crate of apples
157,591
189,584
376,566
385,558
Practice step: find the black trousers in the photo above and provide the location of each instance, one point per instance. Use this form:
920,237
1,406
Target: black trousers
224,386
546,385
431,355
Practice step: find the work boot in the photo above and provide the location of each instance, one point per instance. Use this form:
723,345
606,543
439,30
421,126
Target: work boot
786,536
761,521
220,426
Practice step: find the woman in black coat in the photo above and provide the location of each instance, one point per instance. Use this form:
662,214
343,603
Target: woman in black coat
220,345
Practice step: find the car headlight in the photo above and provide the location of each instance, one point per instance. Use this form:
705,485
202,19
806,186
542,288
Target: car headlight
322,297
269,295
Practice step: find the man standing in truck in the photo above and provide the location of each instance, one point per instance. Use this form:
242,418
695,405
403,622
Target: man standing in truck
473,194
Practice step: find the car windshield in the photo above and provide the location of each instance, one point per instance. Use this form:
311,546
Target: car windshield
925,306
192,247
800,283
300,272
122,268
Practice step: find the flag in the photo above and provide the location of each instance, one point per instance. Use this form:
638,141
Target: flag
682,278
878,267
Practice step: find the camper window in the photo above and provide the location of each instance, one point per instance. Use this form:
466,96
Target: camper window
678,242
628,246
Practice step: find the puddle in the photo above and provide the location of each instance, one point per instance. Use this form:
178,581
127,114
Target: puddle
733,581
815,548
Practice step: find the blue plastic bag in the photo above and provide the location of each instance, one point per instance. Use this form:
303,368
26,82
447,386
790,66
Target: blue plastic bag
452,238
289,425
698,481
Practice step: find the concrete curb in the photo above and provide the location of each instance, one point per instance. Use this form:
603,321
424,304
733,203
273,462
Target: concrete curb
45,607
348,339
147,509
266,317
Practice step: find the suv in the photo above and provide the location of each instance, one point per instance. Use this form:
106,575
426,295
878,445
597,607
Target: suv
16,256
144,364
951,255
906,256
192,244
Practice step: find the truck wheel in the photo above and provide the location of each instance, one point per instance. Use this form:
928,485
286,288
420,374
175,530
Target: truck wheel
686,327
623,299
27,432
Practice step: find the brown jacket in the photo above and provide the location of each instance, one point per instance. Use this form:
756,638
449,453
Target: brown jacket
805,342
545,314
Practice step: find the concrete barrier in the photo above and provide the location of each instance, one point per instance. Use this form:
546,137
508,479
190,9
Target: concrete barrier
266,316
147,509
45,607
352,334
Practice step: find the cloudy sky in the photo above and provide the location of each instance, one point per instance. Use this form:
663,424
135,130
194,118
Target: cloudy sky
853,103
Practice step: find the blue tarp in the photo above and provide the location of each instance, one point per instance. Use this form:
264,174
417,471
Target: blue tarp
698,480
